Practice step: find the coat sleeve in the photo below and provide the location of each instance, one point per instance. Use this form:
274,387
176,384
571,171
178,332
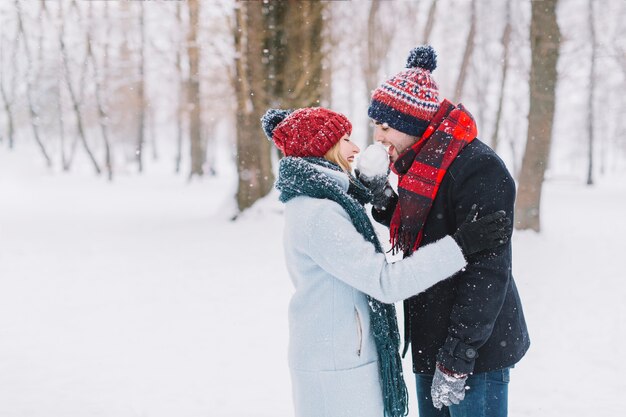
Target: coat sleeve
481,288
337,247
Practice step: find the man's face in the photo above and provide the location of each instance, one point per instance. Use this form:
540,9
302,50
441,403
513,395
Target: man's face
395,141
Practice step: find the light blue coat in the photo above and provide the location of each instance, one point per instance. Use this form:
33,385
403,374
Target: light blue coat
332,355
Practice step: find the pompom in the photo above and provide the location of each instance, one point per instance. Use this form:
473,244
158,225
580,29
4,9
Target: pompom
271,119
422,57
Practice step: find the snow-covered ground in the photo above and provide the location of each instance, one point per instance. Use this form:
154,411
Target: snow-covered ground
142,298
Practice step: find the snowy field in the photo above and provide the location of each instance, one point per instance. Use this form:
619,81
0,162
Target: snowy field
141,298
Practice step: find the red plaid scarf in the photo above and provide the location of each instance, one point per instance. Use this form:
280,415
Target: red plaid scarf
422,167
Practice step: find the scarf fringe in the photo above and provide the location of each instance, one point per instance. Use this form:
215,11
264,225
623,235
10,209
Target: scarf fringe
403,241
395,395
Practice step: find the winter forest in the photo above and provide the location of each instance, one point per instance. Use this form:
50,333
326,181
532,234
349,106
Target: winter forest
142,270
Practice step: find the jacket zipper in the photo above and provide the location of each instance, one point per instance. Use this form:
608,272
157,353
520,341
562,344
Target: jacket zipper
359,331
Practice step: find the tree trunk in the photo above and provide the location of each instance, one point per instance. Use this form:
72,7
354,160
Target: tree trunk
430,22
278,59
506,41
181,96
467,56
65,165
198,154
141,134
34,116
544,42
9,99
378,38
297,43
76,103
326,97
253,150
592,88
100,85
8,108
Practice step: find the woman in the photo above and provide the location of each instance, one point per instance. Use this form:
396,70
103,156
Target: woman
343,350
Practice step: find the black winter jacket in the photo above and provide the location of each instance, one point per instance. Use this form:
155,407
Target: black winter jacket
472,322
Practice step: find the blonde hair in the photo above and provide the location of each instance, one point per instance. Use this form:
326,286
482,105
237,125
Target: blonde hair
334,156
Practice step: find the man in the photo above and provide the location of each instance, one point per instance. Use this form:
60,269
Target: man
468,331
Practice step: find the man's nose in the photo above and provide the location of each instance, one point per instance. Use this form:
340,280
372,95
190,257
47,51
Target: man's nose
377,135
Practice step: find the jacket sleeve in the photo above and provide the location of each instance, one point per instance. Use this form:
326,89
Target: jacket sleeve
481,288
337,247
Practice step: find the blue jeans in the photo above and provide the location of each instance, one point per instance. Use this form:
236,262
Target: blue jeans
487,396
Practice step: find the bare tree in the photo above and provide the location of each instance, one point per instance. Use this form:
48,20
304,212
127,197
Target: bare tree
76,99
592,88
430,21
181,110
100,86
294,52
253,151
379,36
467,55
198,153
8,96
278,61
34,116
544,42
506,41
141,89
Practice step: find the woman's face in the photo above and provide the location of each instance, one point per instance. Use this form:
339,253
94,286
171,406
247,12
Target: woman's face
395,141
348,149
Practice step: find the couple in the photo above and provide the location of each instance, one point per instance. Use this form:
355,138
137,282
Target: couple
450,218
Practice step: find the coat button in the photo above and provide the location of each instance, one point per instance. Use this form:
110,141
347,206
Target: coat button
470,353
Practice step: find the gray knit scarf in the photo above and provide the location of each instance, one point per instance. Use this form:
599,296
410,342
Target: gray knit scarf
299,177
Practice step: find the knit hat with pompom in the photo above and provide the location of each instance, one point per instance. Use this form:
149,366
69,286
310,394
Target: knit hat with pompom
309,131
408,101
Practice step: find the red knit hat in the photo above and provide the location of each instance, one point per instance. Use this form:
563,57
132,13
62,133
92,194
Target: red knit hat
309,131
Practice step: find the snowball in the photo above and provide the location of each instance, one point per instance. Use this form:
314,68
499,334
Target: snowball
373,161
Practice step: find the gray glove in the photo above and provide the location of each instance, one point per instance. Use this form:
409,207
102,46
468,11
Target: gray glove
448,388
379,186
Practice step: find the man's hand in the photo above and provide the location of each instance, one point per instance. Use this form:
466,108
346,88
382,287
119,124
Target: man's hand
448,388
475,235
